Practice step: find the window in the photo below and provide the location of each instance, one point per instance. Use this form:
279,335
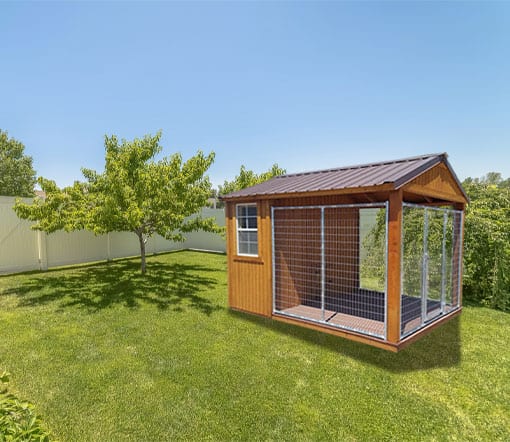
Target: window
247,235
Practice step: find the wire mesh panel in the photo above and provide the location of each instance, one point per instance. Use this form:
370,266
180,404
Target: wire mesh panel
330,265
456,261
297,259
436,267
413,226
431,262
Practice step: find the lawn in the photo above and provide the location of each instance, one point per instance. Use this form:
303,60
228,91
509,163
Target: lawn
106,354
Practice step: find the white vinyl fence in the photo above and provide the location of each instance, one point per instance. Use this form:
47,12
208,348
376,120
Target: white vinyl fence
23,249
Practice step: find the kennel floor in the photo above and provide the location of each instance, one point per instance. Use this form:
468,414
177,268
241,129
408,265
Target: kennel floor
364,312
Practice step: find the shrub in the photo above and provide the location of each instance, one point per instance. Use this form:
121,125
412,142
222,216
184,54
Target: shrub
18,422
487,246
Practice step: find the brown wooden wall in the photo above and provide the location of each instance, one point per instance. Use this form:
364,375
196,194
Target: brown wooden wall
326,200
437,183
297,256
342,250
250,278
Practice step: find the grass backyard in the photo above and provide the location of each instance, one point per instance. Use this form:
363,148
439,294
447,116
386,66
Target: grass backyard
106,354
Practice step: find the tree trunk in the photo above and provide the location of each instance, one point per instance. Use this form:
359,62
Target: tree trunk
142,251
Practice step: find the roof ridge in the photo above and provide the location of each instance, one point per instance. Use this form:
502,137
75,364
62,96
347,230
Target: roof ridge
361,166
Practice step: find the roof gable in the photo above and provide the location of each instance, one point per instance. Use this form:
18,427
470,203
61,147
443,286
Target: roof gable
396,173
440,182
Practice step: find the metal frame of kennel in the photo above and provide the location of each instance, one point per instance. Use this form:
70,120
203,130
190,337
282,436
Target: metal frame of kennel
322,266
434,273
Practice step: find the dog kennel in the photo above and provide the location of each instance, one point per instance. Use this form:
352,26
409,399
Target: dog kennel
370,252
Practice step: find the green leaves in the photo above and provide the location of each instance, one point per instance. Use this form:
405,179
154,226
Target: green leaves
247,178
18,421
487,243
134,193
61,209
17,176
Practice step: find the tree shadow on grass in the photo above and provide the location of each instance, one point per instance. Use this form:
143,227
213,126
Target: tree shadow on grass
165,285
439,349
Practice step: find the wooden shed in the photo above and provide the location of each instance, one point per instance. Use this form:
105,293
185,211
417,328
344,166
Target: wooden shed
371,252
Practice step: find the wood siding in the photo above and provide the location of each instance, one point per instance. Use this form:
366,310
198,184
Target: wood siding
297,256
250,278
327,200
342,250
437,183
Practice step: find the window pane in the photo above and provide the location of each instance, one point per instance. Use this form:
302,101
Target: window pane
243,236
241,211
248,244
253,248
247,236
247,240
244,248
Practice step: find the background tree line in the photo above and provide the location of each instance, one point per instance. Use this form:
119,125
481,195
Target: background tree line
487,241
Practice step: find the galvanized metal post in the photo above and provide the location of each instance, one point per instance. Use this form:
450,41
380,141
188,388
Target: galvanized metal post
443,263
273,264
402,267
425,267
459,270
323,266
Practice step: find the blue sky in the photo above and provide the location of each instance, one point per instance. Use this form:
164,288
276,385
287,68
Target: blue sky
307,85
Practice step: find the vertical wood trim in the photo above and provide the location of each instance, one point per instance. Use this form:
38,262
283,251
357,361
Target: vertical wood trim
394,265
230,249
265,252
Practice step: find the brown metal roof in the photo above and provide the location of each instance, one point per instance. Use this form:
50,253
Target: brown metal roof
397,172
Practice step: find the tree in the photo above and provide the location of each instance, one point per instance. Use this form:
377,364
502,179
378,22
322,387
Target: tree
17,177
492,178
134,194
487,243
247,178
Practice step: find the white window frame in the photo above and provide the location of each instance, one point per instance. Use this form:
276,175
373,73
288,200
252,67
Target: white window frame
246,229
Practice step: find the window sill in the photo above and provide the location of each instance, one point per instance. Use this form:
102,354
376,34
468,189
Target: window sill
249,259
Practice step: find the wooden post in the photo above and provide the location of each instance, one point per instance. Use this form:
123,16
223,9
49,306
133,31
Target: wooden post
394,266
266,254
230,226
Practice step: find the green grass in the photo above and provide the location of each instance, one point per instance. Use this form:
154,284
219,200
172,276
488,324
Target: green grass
106,354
